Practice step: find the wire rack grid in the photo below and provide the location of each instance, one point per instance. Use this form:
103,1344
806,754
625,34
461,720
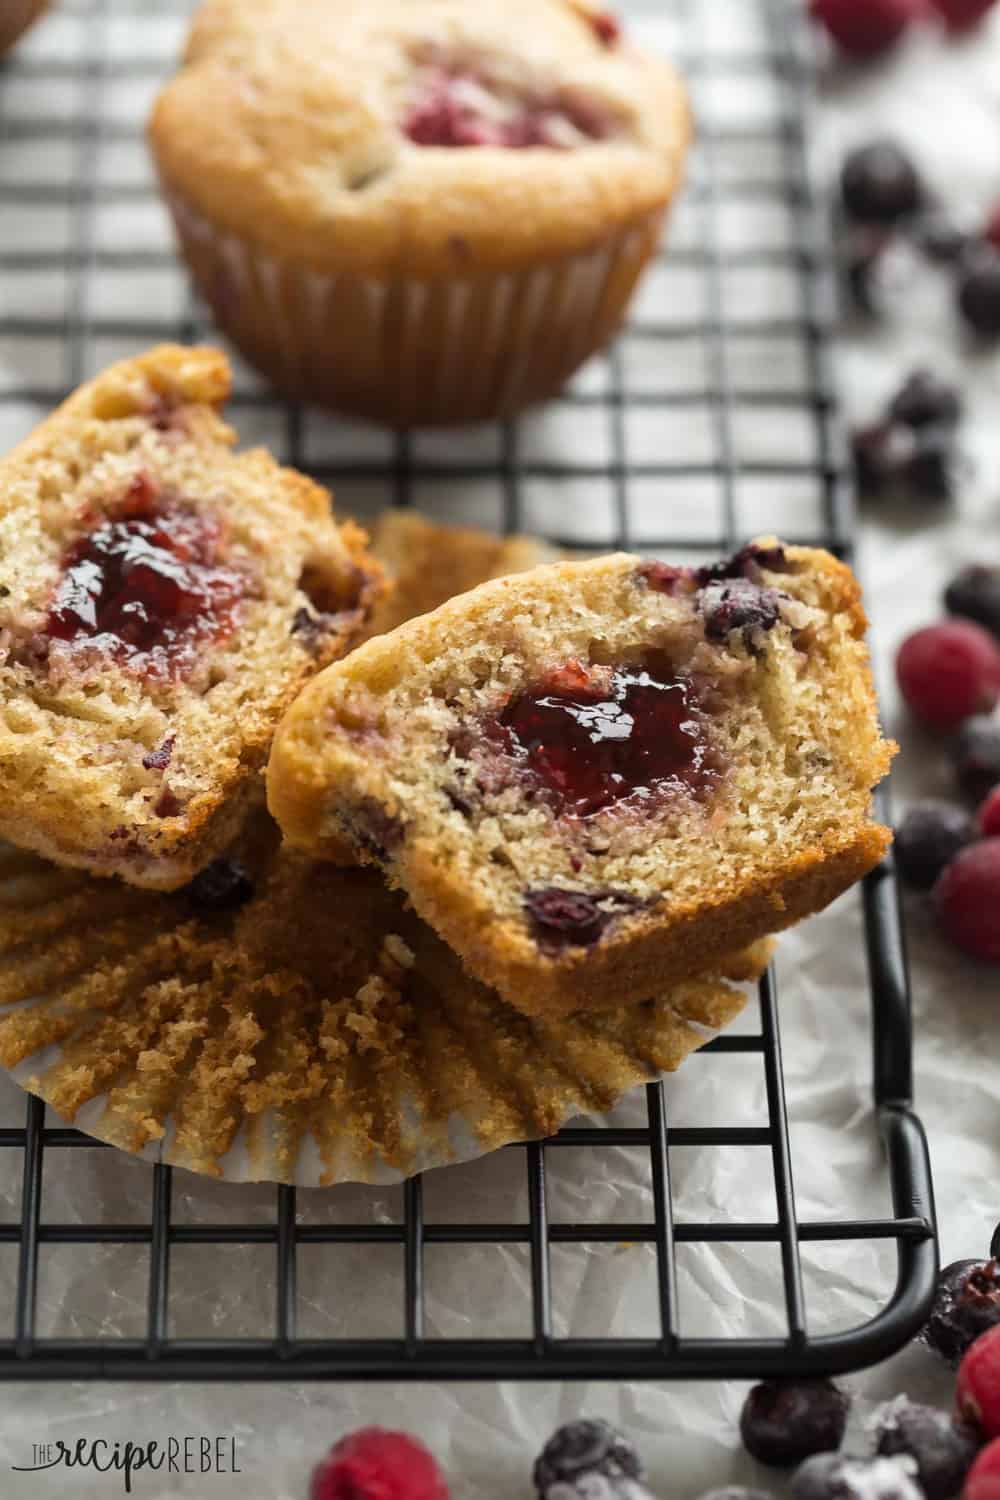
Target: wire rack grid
709,421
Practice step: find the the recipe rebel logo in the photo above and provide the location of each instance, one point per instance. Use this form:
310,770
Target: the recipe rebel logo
196,1453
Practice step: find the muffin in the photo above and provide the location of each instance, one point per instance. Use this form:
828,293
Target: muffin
15,18
418,211
595,779
162,600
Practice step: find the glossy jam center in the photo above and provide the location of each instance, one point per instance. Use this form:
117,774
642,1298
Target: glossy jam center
146,586
643,738
459,108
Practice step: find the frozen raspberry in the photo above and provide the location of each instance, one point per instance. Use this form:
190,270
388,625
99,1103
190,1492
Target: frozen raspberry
943,1450
224,885
983,1482
975,751
373,1464
979,292
967,902
578,1452
961,14
974,593
783,1422
925,400
989,816
927,840
865,28
949,672
967,1304
977,1391
840,1476
879,184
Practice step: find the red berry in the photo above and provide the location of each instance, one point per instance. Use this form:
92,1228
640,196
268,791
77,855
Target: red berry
967,902
989,815
373,1464
983,1480
948,672
960,14
607,27
865,28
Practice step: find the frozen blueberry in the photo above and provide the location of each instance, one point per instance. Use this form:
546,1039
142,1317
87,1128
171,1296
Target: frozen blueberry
943,1450
976,753
583,1449
840,1476
979,292
967,1304
224,885
739,605
928,838
931,470
925,400
783,1422
861,254
880,185
573,919
975,594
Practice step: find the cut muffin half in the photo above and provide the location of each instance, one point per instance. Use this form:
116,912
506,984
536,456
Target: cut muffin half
162,600
594,779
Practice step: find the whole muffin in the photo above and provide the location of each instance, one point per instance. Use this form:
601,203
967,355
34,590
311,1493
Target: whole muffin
15,18
420,211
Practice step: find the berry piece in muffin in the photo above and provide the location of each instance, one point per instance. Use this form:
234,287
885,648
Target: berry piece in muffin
161,602
594,778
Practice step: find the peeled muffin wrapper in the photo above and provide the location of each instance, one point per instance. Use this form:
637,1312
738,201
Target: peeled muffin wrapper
318,1034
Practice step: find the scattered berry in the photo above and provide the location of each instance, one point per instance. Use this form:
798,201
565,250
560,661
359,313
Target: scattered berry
783,1422
989,816
979,292
967,902
975,594
373,1464
983,1482
925,400
931,470
977,1392
948,672
942,1450
875,458
223,885
967,1303
585,1448
880,185
976,753
961,14
928,838
864,28
861,253
939,237
839,1476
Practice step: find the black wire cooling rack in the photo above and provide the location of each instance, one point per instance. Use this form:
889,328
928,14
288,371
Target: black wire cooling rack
71,174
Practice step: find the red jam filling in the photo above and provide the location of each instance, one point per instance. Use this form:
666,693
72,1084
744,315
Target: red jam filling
459,107
146,587
640,739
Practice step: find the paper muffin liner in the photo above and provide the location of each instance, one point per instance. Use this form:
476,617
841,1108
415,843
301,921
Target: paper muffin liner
15,17
318,1034
411,352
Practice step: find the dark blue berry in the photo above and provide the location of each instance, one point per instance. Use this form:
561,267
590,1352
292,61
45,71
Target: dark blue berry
737,1492
931,470
783,1422
224,885
975,595
861,252
880,185
976,753
943,1451
573,918
967,1304
840,1476
979,292
940,238
875,461
739,605
924,400
928,838
583,1449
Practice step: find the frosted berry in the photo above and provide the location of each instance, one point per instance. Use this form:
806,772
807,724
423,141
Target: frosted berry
979,292
840,1476
373,1464
581,1450
925,400
975,751
928,838
977,1391
988,820
983,1482
967,903
783,1422
948,672
864,28
961,14
880,185
966,1304
974,593
942,1449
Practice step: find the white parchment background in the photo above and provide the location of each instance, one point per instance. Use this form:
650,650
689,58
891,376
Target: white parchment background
945,100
